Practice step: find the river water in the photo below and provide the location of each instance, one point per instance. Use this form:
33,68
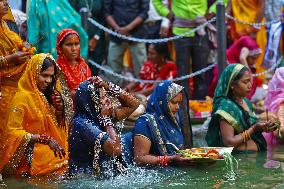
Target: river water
253,171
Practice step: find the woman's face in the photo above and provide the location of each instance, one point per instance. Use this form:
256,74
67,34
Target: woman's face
3,8
243,86
174,103
45,78
71,47
153,54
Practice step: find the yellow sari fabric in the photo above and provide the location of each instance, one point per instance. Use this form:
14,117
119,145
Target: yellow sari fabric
9,40
31,113
247,10
11,74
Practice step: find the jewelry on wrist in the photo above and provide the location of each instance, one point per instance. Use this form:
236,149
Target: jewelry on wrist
105,121
3,61
44,139
163,160
114,90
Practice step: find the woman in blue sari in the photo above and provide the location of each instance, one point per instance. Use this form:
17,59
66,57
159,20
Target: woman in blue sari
233,122
94,145
166,121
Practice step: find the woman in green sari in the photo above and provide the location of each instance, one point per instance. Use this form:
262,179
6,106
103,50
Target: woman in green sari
233,122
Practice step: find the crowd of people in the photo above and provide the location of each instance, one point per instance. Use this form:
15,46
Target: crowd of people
59,117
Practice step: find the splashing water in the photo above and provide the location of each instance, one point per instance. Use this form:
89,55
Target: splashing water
231,166
137,177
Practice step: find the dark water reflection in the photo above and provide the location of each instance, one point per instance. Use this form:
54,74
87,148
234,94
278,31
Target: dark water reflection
254,171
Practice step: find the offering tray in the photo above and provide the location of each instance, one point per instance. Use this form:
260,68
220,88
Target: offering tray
205,154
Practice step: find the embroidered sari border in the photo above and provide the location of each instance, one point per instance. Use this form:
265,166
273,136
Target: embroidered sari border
230,119
143,136
12,166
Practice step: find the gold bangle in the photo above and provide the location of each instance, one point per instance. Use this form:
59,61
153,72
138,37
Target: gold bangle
3,61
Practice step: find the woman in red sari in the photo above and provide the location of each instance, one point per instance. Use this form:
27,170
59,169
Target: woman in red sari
158,67
72,65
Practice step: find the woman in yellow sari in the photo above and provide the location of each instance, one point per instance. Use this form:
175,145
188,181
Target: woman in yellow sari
249,11
12,64
35,137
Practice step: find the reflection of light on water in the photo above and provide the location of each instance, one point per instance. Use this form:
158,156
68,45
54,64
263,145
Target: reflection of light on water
231,165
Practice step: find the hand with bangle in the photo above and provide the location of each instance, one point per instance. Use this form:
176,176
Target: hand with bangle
53,145
105,121
111,88
163,160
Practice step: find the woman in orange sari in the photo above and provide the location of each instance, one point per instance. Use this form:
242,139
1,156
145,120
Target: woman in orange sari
12,64
72,65
249,11
35,137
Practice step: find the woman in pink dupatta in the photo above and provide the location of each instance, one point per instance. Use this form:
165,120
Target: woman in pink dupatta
274,102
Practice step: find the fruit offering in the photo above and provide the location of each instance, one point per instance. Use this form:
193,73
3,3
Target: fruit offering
26,47
200,153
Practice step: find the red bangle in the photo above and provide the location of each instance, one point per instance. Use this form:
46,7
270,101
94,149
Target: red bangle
44,139
163,160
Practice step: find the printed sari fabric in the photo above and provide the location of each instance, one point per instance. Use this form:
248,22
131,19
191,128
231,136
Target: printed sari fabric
9,75
247,11
31,113
225,108
160,126
47,18
77,73
88,136
150,71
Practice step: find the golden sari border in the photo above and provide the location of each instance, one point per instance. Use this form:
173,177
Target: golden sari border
12,165
235,72
143,136
66,96
230,119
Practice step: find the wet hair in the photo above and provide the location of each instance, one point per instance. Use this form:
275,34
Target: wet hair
162,50
50,89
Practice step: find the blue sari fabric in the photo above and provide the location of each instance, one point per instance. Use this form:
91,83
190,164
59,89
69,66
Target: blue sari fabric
84,133
158,125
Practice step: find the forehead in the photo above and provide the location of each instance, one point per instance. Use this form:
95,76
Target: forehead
71,37
48,71
245,76
178,97
152,47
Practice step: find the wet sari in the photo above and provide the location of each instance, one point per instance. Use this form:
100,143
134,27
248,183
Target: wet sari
31,113
224,108
160,126
88,137
77,73
9,75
